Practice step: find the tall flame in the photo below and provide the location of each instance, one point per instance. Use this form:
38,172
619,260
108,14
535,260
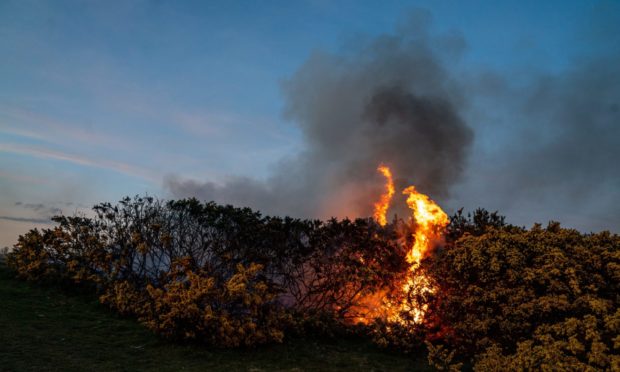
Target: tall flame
383,204
429,222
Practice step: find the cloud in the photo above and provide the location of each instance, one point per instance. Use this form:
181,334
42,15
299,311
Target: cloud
40,208
26,219
22,178
43,213
45,153
29,124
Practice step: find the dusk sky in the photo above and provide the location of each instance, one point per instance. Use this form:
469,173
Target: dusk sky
102,99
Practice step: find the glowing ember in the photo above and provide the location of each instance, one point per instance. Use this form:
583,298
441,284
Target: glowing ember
383,204
429,222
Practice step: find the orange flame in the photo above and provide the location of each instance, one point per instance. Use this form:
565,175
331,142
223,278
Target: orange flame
383,204
429,222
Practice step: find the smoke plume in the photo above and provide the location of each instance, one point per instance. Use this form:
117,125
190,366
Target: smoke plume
388,100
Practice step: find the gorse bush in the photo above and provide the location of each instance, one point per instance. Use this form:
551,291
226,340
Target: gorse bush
69,253
195,305
503,297
521,299
222,275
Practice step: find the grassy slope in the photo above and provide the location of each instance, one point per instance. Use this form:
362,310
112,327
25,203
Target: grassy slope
43,329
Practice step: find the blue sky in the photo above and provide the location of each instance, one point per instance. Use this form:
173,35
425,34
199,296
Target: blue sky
102,99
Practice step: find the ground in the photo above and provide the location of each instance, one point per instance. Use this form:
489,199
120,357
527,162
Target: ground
45,329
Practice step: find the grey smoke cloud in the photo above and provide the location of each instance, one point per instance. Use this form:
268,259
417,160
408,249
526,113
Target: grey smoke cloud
560,146
388,100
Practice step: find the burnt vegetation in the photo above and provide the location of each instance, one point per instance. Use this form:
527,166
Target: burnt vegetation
505,297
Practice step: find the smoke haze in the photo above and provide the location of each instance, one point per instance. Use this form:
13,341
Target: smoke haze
560,137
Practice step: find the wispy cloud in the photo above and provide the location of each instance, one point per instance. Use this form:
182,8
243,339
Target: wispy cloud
44,153
27,123
209,124
22,178
205,123
26,219
41,208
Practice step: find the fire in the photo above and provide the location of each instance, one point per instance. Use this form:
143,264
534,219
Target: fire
383,204
429,222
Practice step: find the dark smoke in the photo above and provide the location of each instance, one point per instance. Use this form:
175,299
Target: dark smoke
388,100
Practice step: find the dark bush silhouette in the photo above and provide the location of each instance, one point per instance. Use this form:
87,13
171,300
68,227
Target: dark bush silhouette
227,276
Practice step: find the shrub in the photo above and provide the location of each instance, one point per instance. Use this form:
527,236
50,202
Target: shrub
226,276
500,297
530,299
240,310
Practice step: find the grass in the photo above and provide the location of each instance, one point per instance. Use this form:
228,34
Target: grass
45,329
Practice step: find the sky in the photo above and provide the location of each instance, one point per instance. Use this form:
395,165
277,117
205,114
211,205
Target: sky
237,101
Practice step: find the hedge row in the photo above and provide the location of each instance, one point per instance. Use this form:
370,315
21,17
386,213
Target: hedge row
503,298
222,275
